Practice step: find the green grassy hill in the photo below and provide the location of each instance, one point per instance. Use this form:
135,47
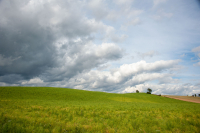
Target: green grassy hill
48,109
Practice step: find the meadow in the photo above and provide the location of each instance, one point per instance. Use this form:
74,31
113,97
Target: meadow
61,110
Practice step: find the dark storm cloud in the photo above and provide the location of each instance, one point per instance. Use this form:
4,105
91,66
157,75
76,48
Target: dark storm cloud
81,58
33,48
39,39
11,78
23,38
198,1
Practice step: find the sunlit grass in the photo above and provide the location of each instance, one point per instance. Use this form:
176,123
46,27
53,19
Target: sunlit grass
45,109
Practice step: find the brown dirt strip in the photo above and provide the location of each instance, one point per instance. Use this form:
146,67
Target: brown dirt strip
184,98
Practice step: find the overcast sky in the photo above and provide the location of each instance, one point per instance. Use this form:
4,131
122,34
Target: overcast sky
117,46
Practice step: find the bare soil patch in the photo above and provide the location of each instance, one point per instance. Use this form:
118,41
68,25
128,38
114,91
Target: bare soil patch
184,98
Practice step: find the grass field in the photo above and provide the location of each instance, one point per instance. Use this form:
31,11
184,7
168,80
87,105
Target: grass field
48,109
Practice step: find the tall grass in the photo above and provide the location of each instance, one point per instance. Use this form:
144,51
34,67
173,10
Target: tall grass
46,109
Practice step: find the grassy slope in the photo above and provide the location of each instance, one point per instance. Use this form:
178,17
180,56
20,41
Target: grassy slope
46,109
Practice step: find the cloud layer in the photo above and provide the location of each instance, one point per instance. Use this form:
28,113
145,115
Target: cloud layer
89,45
48,37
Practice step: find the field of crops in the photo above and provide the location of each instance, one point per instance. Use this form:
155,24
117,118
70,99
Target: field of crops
184,98
48,109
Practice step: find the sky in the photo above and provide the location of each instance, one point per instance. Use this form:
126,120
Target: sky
115,46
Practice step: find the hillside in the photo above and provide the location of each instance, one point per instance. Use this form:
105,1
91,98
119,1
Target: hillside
49,109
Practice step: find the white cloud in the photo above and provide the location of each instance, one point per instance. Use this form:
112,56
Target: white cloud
107,50
197,64
6,84
103,67
126,75
35,81
142,66
197,49
165,89
146,77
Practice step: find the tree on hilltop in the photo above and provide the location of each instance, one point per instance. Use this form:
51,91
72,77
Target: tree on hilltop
137,91
149,91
